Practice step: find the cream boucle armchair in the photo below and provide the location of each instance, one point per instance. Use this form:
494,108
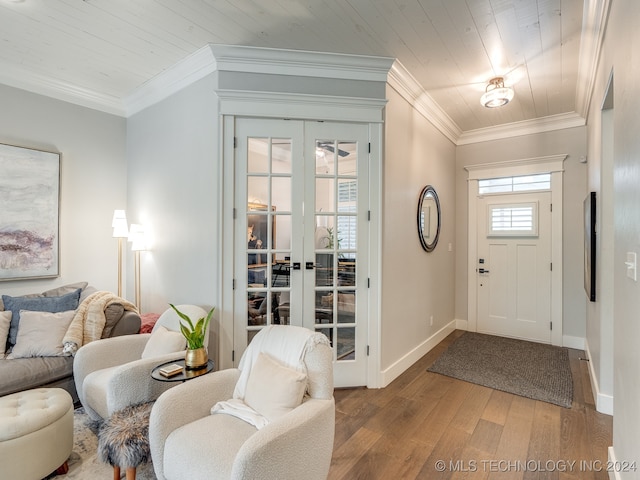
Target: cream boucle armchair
113,373
188,441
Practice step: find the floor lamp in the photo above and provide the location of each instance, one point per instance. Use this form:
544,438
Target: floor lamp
120,231
138,244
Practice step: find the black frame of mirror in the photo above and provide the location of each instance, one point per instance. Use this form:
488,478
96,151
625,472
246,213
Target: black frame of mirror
428,247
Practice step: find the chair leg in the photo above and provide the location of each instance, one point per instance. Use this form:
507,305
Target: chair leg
131,473
116,472
63,469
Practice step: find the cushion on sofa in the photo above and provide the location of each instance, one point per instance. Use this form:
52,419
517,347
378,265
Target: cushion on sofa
5,321
40,334
38,304
163,341
59,291
63,290
25,373
274,389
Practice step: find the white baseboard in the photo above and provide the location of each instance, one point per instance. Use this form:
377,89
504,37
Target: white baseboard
573,342
613,473
394,371
462,324
604,402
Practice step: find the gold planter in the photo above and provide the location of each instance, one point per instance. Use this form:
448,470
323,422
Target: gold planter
196,359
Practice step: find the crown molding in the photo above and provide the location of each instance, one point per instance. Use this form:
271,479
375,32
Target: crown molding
548,163
67,92
296,105
236,58
594,22
187,71
276,61
525,127
408,88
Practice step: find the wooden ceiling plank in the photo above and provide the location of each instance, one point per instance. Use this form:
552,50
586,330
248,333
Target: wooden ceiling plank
323,23
455,51
572,11
551,37
417,33
42,40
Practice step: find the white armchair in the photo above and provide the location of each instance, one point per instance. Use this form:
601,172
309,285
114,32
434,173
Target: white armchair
188,441
113,373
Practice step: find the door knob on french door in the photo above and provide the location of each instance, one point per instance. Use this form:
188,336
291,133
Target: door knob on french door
295,265
310,266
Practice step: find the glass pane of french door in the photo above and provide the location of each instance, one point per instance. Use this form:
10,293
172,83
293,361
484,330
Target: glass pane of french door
338,231
302,209
267,158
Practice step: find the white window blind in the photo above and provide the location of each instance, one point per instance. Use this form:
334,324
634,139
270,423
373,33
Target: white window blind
519,219
525,183
347,224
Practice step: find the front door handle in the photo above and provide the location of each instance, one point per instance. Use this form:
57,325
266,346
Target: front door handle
482,270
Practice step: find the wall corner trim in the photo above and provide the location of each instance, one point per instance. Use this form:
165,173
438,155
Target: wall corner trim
408,88
184,73
397,368
577,343
604,402
614,473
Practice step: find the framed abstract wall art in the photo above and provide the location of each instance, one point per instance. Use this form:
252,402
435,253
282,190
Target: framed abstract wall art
29,213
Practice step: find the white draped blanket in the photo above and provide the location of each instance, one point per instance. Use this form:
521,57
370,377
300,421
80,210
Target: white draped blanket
89,321
289,349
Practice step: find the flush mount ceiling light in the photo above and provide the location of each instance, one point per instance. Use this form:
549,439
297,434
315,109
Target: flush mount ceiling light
496,94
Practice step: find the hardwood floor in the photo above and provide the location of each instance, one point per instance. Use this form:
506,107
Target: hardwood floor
428,426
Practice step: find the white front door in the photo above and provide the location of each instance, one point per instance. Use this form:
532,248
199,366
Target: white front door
301,202
513,267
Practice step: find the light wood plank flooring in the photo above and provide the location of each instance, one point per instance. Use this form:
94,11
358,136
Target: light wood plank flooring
428,426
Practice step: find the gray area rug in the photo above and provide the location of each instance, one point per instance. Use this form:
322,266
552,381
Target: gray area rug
84,462
532,370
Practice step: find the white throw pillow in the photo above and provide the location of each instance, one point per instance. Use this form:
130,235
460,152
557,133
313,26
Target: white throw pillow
5,321
40,334
273,389
163,341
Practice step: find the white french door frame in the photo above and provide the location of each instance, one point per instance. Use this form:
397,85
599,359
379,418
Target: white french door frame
550,164
226,308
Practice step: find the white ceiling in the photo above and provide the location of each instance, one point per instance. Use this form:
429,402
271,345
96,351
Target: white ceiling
106,49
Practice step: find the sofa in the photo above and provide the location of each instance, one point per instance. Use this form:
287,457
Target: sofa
33,354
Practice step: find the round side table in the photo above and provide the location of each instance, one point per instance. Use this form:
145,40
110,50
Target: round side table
184,375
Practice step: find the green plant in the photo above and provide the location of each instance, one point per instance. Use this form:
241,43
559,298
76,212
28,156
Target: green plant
194,333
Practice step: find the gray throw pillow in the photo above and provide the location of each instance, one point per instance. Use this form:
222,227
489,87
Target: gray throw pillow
37,304
63,290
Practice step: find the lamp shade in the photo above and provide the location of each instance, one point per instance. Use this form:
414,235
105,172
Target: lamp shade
137,237
119,224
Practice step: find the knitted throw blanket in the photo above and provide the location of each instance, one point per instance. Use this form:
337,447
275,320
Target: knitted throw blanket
89,321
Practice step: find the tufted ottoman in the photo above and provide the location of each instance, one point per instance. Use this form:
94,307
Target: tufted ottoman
36,433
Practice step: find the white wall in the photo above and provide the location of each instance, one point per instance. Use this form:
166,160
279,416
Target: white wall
93,182
415,284
621,55
570,141
600,313
174,174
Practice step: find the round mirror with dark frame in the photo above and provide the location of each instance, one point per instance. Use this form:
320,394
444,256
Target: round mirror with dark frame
428,218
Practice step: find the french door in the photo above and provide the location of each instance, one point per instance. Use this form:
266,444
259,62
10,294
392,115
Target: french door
301,230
